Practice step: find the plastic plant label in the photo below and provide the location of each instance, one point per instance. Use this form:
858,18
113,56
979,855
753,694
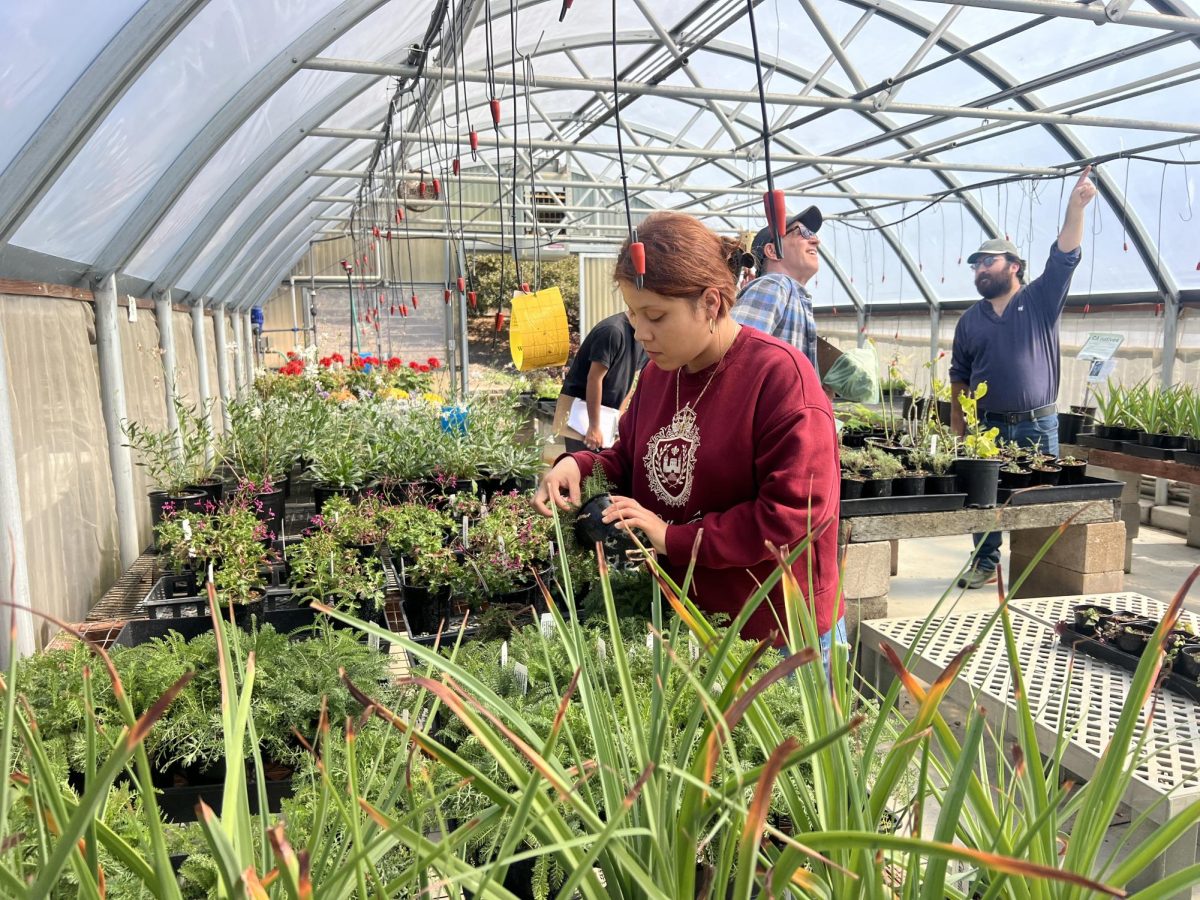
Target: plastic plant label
504,654
503,549
548,625
693,648
131,306
650,641
466,541
601,648
933,441
521,674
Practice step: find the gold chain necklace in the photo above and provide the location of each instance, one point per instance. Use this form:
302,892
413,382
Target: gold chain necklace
677,419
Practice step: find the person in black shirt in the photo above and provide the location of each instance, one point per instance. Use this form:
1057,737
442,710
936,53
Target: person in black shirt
598,382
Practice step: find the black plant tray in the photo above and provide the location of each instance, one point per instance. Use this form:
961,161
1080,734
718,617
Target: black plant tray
285,619
887,506
1088,489
1187,458
1114,655
1135,449
161,603
178,804
1089,439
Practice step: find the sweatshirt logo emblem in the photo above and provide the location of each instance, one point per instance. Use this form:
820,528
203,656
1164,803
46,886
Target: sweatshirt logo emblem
670,458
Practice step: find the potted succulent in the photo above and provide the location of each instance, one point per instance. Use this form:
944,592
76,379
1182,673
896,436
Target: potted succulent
1134,637
1088,616
978,469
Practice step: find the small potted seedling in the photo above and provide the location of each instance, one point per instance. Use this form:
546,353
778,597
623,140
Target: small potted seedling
1043,469
881,468
1088,616
590,527
853,462
1014,476
1072,470
1134,637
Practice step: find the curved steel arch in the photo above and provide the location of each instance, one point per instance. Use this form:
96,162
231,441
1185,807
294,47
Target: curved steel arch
725,48
1075,147
50,149
149,213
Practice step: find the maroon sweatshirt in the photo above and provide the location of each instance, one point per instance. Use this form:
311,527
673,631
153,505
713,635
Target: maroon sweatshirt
766,451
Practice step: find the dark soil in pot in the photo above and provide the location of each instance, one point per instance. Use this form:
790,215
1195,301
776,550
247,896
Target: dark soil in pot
1187,661
1072,472
1112,624
1134,637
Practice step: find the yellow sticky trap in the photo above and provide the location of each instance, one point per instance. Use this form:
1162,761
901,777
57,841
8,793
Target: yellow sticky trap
538,334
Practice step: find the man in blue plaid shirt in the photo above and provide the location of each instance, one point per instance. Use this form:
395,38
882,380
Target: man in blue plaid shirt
777,301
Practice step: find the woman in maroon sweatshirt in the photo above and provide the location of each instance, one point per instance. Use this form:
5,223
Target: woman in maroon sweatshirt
728,430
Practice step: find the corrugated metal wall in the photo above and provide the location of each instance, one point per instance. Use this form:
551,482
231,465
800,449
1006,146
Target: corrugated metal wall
598,293
63,472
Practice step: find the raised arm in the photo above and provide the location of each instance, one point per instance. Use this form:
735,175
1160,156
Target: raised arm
1070,238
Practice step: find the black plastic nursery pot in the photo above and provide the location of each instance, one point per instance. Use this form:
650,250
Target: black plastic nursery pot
1088,617
270,508
1014,481
979,480
941,484
908,486
1047,474
322,492
852,488
1187,661
1070,424
1162,441
425,610
212,488
1133,637
1117,433
877,487
944,411
1071,472
590,528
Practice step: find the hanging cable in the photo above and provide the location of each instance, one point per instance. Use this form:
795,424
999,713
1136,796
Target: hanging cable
637,250
512,32
774,202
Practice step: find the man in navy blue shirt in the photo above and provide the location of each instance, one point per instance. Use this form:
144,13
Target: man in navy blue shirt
1010,340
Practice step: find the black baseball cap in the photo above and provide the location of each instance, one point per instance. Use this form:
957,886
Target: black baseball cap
810,218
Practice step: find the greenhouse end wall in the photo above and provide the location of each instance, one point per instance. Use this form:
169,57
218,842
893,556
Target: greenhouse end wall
64,478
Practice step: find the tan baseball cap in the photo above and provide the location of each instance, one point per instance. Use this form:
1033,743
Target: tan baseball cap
995,247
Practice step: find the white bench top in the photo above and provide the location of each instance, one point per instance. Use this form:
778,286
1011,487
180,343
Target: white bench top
1095,691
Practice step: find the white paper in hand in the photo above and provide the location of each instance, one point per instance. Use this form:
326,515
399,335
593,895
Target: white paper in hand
577,420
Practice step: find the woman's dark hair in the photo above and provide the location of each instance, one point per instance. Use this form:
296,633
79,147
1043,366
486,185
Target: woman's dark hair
684,258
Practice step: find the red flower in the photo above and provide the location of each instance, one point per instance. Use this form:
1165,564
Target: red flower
433,362
422,368
325,362
338,358
292,354
413,365
394,363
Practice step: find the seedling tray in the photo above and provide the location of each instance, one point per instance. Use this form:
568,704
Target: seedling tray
1114,655
1088,489
887,506
1088,439
1187,458
178,804
1135,449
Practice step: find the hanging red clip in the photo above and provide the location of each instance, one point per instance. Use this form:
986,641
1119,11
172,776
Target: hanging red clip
389,234
437,189
446,295
1087,308
403,311
499,321
1125,247
392,310
524,287
563,12
381,298
495,105
1198,267
421,189
474,137
456,166
414,301
775,205
462,284
471,298
375,231
399,215
637,253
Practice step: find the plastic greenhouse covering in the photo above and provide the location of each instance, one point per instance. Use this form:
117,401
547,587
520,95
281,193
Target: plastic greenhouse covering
195,166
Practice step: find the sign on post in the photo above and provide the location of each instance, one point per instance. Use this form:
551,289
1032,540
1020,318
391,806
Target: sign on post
1100,345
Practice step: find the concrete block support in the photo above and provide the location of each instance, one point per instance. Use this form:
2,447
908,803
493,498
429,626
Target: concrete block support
1099,547
866,569
1193,532
1050,580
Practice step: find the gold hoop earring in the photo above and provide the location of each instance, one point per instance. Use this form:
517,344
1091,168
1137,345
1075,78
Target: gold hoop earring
712,326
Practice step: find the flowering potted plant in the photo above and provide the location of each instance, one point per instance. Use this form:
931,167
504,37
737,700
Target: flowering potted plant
259,455
978,469
321,568
357,526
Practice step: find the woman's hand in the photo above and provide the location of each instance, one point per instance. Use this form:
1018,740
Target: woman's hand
560,485
631,514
